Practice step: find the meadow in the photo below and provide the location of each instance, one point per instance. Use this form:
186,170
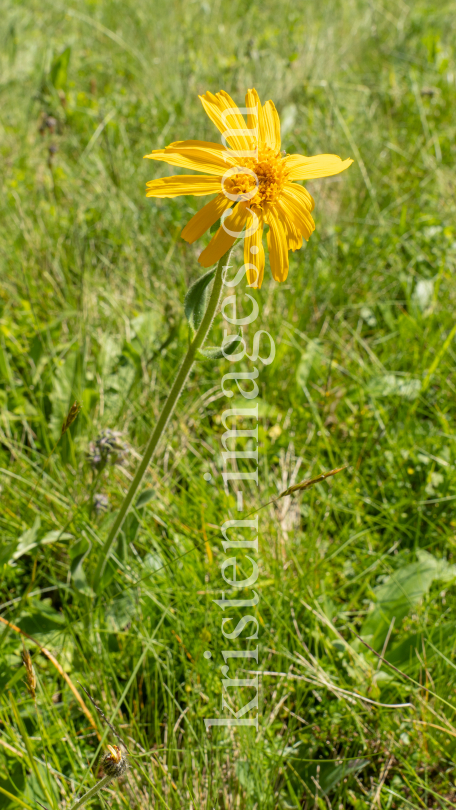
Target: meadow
93,280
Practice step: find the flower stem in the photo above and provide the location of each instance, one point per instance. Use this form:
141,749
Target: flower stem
93,791
165,415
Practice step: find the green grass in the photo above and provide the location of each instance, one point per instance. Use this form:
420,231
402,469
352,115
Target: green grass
93,281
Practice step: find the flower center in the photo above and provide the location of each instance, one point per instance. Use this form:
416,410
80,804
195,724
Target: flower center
267,173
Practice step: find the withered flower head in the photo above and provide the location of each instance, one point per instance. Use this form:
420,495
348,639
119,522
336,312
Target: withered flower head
115,762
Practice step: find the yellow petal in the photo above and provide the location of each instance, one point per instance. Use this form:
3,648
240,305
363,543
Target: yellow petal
301,193
205,218
271,127
183,184
222,241
200,156
292,233
296,206
252,99
310,168
254,250
277,244
215,106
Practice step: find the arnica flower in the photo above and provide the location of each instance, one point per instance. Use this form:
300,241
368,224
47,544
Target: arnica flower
254,184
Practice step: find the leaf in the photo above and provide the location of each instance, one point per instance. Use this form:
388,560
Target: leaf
423,293
28,541
7,551
42,619
146,327
195,300
215,227
78,553
59,69
145,496
215,353
120,612
110,350
308,358
390,385
108,574
331,775
133,355
402,590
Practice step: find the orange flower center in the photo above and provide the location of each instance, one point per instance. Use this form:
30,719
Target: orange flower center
267,174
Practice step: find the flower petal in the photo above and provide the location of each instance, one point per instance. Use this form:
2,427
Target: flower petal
183,184
222,241
205,218
216,107
255,122
277,244
292,233
254,251
200,156
271,127
310,168
301,194
296,206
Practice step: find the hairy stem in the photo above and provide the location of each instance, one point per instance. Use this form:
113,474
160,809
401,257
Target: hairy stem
165,415
93,791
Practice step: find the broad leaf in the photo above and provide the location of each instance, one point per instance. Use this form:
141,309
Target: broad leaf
196,298
59,69
215,353
402,590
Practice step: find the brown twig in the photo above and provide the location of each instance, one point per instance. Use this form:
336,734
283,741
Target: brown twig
64,675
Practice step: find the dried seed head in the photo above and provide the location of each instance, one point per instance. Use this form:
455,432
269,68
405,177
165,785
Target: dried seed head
31,678
309,482
72,414
115,762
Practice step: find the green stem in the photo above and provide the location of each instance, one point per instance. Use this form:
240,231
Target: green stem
93,791
165,415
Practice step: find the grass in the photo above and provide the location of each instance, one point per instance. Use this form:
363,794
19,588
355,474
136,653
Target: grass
94,277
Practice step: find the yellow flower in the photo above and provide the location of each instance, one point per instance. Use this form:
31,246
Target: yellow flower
252,181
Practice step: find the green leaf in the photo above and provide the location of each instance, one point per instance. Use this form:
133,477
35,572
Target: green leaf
133,355
214,353
390,385
401,591
28,540
78,553
145,496
195,300
308,359
215,227
120,612
59,69
7,551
